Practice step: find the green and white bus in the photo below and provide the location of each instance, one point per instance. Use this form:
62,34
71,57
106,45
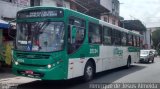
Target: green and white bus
58,44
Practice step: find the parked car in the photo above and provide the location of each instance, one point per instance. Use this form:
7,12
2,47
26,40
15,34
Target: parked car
154,52
146,56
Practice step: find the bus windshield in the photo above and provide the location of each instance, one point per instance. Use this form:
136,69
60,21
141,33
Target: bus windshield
40,36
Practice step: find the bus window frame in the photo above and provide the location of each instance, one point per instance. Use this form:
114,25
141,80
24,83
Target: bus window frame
130,39
68,27
124,35
64,47
101,30
116,34
103,34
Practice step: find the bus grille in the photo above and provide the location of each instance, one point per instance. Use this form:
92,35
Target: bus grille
35,74
32,56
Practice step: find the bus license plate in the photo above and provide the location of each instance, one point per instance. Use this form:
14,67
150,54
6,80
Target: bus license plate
29,72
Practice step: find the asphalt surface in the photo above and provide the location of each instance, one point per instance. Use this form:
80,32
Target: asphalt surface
6,73
138,73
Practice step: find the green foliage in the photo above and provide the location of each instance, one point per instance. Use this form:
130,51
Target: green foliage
156,38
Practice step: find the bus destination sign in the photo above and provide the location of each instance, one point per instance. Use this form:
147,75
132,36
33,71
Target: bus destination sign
40,13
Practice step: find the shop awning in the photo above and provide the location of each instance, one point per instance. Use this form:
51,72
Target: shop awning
4,24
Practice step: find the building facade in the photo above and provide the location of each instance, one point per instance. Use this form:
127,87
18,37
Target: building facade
148,43
90,7
148,36
107,10
9,8
113,6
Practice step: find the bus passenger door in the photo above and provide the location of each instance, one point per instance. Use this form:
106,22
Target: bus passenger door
75,39
76,35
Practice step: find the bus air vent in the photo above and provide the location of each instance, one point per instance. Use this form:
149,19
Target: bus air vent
32,56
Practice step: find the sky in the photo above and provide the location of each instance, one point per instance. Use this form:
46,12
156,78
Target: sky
148,11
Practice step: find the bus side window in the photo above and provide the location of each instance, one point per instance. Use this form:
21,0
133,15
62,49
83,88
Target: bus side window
107,36
138,42
127,39
113,37
95,33
116,36
124,39
133,41
130,40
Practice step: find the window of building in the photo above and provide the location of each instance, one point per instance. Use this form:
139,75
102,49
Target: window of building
8,0
73,6
59,3
95,33
35,2
113,21
106,19
107,32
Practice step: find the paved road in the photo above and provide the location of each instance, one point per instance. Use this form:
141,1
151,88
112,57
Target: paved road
138,73
6,73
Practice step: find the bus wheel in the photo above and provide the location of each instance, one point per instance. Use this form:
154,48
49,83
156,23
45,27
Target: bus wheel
88,71
128,63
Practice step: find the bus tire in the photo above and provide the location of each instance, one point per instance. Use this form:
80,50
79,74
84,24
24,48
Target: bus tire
88,71
128,62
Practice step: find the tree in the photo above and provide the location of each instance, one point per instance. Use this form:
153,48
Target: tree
156,38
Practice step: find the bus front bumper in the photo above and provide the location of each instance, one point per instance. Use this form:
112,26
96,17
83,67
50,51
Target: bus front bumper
55,73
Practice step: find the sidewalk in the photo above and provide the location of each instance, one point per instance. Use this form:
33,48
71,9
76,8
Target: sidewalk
6,72
16,80
8,80
12,83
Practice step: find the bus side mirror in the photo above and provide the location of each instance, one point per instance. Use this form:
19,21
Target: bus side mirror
73,31
12,30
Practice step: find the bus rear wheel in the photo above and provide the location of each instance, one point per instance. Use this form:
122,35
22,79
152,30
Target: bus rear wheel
88,71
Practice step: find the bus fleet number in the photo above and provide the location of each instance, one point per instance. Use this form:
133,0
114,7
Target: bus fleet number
93,51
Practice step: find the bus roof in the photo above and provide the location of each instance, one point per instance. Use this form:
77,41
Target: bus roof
89,17
39,7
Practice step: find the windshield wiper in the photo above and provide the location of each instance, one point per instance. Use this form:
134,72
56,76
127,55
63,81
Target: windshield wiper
39,28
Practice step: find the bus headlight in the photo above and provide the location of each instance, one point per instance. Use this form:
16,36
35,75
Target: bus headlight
49,66
16,63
